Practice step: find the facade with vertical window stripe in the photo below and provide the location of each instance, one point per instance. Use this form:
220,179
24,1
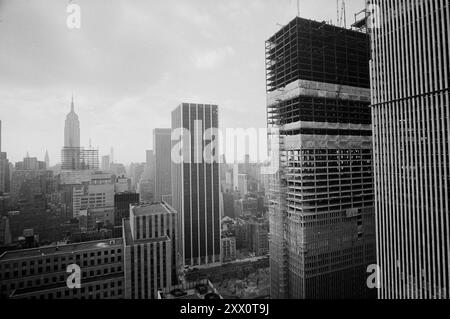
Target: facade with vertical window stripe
410,101
150,250
195,183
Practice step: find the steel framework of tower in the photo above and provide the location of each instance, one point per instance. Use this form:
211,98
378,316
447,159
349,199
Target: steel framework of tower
322,234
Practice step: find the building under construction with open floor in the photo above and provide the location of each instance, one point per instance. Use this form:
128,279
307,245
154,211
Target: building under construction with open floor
321,211
79,158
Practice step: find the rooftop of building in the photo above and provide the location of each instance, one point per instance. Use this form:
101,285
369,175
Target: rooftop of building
150,209
56,249
320,24
126,193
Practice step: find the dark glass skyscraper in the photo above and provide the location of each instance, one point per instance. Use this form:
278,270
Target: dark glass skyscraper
195,184
4,168
321,205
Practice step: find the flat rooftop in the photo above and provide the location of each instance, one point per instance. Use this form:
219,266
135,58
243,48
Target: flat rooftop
61,249
150,209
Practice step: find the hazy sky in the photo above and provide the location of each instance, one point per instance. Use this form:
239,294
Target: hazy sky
131,63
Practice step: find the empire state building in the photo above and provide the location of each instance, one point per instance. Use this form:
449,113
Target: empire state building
71,152
72,129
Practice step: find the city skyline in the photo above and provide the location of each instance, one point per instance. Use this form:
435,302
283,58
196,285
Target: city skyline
210,151
110,99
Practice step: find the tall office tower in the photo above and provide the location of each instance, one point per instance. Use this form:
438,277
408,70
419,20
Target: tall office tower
149,158
71,152
135,172
410,100
105,163
150,250
247,164
235,176
4,176
4,167
162,145
195,183
147,182
47,160
322,232
5,173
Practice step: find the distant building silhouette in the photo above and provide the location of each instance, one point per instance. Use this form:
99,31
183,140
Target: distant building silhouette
162,146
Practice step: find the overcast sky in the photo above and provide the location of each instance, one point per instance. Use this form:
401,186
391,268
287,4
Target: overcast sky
130,64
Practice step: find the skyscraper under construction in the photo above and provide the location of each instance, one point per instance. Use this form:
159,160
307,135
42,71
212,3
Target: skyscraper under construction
322,230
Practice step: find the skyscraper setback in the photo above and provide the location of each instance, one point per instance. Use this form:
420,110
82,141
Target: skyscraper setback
195,184
410,100
322,234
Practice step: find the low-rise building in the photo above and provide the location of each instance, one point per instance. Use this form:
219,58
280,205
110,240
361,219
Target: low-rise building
41,273
150,250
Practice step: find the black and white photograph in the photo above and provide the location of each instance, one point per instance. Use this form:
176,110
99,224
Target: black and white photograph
220,155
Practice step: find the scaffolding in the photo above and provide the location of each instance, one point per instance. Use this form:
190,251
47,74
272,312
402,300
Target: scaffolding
78,158
71,158
318,99
317,51
89,159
